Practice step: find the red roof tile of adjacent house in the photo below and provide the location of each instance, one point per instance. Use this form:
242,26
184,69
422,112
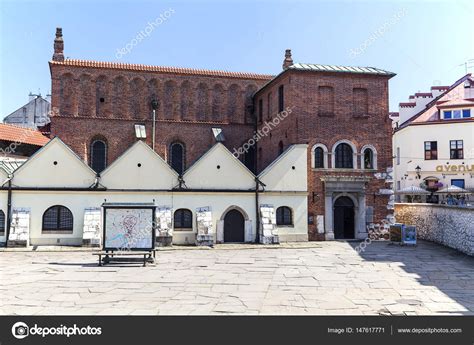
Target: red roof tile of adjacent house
162,69
22,135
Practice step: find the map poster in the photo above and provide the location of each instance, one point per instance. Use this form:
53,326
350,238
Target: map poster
128,228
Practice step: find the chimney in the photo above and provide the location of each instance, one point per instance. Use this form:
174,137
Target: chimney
58,46
288,60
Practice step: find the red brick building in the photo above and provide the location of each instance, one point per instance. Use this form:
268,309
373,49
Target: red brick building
100,109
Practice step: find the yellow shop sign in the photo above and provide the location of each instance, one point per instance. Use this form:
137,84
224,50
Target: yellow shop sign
455,168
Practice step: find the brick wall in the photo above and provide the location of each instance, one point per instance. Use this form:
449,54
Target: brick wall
328,108
105,103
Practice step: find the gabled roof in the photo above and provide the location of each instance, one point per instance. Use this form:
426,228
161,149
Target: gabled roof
339,69
22,135
216,164
312,67
288,172
434,101
54,165
139,167
161,69
142,145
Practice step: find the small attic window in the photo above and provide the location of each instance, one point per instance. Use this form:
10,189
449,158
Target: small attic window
55,162
102,99
467,84
140,131
218,135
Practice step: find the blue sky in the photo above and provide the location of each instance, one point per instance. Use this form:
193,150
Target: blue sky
423,42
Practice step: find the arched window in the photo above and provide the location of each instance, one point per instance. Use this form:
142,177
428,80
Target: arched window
183,219
2,221
368,159
344,156
319,157
98,155
284,216
57,218
280,147
176,157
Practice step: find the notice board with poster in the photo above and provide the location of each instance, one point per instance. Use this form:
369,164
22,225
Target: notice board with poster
129,226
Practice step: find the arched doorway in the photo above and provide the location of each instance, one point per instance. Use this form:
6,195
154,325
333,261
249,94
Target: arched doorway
234,226
344,218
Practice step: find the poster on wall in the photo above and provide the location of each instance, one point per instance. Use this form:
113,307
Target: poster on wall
129,227
409,235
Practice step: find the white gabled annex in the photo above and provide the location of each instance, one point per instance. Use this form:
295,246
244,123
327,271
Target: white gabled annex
219,169
288,172
55,165
139,168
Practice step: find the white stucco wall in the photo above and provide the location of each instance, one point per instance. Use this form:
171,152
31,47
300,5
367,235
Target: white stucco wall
231,174
411,140
288,172
139,168
70,172
41,171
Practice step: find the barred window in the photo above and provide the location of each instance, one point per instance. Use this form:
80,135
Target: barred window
98,155
183,219
57,218
2,221
284,216
177,157
319,157
344,156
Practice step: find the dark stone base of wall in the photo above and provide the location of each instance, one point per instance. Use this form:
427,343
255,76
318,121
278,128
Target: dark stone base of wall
269,239
87,243
205,240
17,244
164,241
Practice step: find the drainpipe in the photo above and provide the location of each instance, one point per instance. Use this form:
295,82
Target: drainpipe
257,219
257,182
9,210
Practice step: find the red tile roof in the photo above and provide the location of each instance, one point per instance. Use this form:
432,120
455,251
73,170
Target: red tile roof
162,69
407,104
22,135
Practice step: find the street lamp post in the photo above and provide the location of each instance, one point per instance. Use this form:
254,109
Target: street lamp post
154,106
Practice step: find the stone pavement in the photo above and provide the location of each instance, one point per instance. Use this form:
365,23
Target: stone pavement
316,278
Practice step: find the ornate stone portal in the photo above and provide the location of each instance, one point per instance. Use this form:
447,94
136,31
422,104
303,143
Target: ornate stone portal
353,187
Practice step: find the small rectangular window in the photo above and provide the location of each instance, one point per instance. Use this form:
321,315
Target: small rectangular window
456,114
466,113
447,114
456,149
140,131
260,110
431,150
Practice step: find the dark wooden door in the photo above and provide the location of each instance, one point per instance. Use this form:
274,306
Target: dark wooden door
344,218
234,226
